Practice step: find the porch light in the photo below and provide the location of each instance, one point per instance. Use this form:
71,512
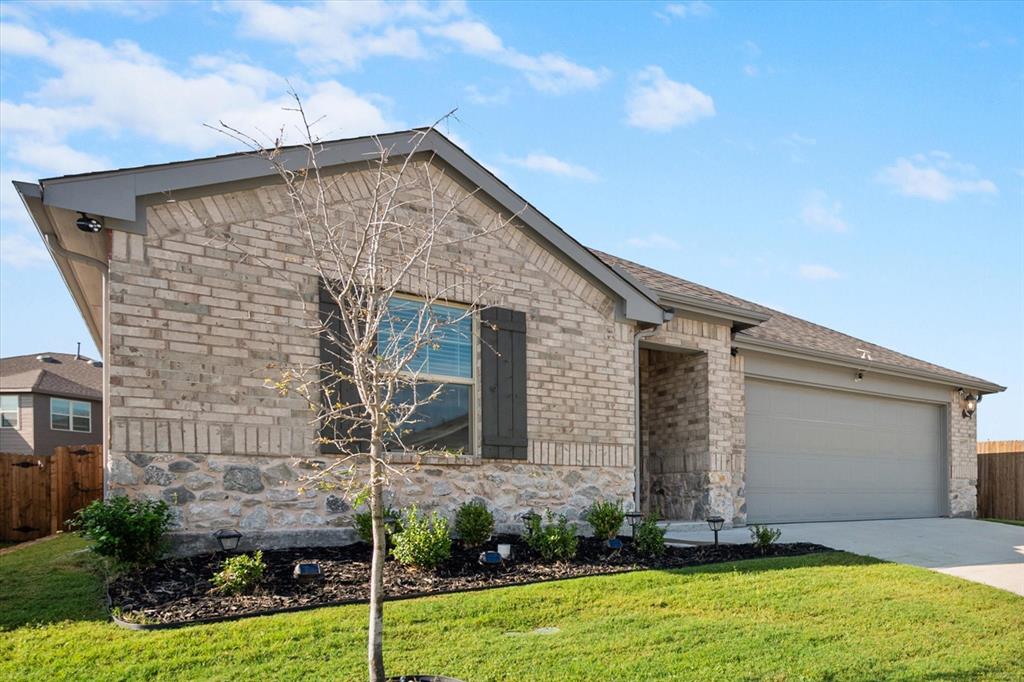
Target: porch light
969,403
228,539
715,523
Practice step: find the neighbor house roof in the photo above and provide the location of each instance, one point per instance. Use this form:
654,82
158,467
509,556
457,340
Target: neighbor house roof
780,331
61,374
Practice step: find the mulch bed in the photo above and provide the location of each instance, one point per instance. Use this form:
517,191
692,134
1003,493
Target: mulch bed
178,591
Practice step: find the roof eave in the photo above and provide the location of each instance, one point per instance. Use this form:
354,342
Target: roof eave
774,347
742,318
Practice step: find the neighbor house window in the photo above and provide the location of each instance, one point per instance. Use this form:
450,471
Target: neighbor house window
70,415
443,368
8,412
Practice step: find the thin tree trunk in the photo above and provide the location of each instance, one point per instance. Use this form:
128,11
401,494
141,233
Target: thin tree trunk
375,645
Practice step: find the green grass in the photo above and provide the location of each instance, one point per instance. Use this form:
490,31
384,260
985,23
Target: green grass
1012,522
831,616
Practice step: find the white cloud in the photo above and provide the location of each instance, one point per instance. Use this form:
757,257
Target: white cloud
820,212
935,176
817,272
120,89
684,10
654,241
343,34
660,104
476,96
20,251
545,163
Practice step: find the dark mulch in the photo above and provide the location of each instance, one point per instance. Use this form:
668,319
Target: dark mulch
179,590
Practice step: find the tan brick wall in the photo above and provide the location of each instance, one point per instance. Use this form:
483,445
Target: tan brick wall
721,466
220,288
963,460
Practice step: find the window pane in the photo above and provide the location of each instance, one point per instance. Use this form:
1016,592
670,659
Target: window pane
9,403
9,420
449,351
81,424
61,422
81,409
442,423
59,406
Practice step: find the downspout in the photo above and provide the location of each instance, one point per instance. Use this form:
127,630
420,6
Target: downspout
71,255
639,336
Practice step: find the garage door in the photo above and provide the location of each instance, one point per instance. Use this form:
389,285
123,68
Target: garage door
820,455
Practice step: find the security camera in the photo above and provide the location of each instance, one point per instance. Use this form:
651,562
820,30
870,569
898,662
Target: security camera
87,224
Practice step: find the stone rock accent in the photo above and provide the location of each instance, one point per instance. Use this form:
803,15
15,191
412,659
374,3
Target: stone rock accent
177,495
963,460
139,459
154,475
337,505
181,466
244,479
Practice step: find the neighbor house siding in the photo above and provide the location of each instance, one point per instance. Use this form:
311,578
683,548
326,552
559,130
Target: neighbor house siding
20,441
198,324
46,439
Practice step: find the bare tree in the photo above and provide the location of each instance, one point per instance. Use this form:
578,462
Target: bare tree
368,392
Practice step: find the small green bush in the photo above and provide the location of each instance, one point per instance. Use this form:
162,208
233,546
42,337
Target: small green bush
422,541
605,518
554,541
474,523
130,532
240,574
364,524
649,537
763,537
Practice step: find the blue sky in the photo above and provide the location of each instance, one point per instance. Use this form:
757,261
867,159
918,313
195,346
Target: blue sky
859,165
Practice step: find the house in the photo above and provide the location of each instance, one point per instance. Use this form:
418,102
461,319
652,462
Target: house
623,382
47,400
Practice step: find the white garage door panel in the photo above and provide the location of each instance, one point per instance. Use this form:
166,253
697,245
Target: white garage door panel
820,455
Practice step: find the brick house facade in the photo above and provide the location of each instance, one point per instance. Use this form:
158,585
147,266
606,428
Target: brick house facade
193,323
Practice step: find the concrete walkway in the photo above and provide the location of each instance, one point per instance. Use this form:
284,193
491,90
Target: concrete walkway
982,551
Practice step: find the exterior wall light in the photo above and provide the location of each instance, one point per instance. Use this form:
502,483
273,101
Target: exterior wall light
228,539
87,224
715,523
859,376
969,402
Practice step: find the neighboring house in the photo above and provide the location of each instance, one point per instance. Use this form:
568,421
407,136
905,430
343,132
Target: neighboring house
620,382
48,400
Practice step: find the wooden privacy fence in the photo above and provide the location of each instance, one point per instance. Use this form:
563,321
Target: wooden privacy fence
38,493
1001,479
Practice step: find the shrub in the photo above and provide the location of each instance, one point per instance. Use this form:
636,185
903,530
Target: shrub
130,532
763,536
474,523
605,518
364,524
422,541
240,574
554,541
649,537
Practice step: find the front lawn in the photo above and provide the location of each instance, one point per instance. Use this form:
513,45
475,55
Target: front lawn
823,616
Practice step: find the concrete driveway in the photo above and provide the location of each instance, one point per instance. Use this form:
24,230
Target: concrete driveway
982,551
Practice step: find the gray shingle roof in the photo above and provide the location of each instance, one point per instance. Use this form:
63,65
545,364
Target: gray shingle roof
66,376
785,329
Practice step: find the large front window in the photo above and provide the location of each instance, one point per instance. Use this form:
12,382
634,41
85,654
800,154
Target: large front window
70,415
8,412
440,374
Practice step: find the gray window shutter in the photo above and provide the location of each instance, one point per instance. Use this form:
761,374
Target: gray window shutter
334,357
503,382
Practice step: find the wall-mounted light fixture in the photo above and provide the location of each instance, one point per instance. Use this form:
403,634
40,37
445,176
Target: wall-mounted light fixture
87,224
969,402
858,377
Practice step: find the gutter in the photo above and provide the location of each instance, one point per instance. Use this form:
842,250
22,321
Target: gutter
639,336
775,348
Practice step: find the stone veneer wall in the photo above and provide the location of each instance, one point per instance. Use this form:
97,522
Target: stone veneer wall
721,467
202,305
963,460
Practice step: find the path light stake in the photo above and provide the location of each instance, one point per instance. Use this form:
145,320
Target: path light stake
228,539
715,523
634,517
